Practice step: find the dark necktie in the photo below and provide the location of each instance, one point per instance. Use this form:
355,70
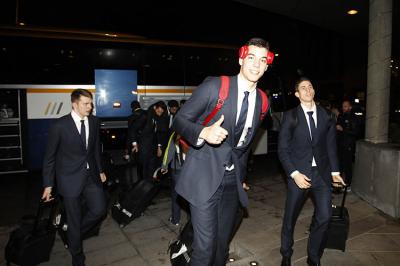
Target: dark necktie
83,132
242,117
313,128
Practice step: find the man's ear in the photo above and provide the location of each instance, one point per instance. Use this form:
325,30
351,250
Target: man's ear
240,61
297,94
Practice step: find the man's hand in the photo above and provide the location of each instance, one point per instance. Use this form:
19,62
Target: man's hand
338,181
339,127
164,171
47,194
245,186
214,134
159,151
103,177
302,181
135,148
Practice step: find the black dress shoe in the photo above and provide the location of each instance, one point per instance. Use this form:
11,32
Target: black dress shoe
285,261
312,263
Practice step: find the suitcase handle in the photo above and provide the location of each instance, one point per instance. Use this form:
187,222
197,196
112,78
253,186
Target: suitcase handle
343,201
39,215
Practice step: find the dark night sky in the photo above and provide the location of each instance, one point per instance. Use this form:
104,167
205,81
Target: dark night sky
325,54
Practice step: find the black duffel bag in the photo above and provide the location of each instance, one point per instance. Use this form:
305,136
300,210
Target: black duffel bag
31,243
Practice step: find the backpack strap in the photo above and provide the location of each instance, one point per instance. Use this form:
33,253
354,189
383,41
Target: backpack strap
222,95
264,107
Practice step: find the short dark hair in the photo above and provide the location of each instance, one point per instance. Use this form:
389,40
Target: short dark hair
173,103
160,104
77,93
258,42
300,80
347,100
135,105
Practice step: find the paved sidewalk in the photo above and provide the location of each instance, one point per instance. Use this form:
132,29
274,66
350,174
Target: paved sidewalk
374,238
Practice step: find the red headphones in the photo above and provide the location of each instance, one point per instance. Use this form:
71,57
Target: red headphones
244,50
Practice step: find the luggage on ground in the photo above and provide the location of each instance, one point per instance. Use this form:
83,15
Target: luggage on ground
31,243
180,250
132,203
338,230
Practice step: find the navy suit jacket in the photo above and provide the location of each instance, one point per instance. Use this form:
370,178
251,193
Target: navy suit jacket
66,157
296,149
205,164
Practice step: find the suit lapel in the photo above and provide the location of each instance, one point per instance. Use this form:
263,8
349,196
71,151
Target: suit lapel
74,128
256,119
303,121
91,131
319,122
76,132
232,107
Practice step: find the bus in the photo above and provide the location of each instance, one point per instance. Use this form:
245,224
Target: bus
37,76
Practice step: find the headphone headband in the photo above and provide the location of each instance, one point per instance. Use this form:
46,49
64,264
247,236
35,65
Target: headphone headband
244,51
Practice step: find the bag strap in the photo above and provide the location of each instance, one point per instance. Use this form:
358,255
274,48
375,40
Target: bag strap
265,104
39,215
170,142
222,95
343,201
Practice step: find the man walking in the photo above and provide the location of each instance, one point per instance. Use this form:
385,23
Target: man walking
211,178
307,151
72,160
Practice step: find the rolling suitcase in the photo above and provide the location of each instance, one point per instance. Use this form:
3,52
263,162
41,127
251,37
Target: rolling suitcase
338,230
31,243
134,202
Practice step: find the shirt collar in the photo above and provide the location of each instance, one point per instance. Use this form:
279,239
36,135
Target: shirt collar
306,109
242,86
76,117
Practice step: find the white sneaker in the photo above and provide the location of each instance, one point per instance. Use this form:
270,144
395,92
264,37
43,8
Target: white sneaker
170,220
348,189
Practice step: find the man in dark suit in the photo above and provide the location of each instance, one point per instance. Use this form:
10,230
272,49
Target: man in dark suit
153,138
173,107
211,178
72,161
307,151
348,128
136,123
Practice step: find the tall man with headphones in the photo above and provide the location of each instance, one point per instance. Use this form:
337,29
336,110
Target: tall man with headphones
215,167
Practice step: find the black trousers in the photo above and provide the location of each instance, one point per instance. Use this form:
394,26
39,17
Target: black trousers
175,199
346,163
213,224
295,198
79,223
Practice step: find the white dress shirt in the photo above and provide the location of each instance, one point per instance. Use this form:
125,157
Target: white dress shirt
242,87
250,111
77,119
314,115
